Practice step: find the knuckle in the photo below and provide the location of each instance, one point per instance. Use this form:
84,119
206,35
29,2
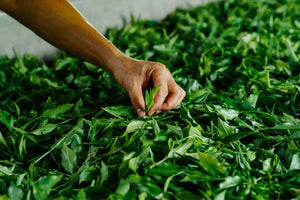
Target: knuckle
178,91
183,93
163,91
161,69
160,66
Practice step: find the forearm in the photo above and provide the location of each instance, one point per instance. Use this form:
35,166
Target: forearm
60,24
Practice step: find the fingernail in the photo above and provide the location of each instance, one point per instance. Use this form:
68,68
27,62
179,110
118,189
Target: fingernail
158,111
140,113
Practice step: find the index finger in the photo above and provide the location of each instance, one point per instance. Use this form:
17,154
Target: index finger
174,98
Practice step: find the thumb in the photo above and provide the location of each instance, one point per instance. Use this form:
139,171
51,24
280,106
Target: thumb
137,100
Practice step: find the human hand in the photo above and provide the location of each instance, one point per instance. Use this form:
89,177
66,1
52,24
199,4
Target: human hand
135,75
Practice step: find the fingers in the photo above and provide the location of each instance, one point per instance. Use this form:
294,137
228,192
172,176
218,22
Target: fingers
167,98
169,95
137,99
173,99
159,98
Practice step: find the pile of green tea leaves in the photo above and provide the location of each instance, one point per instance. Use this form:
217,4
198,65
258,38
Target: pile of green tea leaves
68,131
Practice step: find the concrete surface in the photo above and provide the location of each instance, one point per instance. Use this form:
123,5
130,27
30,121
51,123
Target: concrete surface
100,13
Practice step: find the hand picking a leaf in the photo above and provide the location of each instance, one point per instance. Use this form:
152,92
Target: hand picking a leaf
135,75
149,97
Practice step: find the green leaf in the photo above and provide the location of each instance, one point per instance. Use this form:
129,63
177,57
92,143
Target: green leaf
156,128
199,96
133,164
149,97
123,187
55,112
151,189
180,149
147,100
69,158
17,109
44,130
104,173
221,195
75,130
163,49
81,195
15,193
286,126
165,169
267,165
176,130
295,163
293,147
42,187
195,132
77,106
283,67
253,98
230,182
22,146
295,135
121,112
8,171
134,125
3,141
19,65
211,164
196,175
7,119
186,116
60,64
87,174
227,114
291,50
224,128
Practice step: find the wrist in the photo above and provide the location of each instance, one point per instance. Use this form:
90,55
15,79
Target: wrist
118,64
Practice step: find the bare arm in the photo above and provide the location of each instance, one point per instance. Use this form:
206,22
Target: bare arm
60,24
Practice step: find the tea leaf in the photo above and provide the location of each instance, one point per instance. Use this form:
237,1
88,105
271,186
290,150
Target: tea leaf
42,187
211,164
54,112
149,97
69,158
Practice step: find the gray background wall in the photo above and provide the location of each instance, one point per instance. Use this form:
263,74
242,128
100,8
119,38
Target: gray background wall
100,13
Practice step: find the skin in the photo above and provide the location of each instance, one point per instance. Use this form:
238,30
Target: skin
60,24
